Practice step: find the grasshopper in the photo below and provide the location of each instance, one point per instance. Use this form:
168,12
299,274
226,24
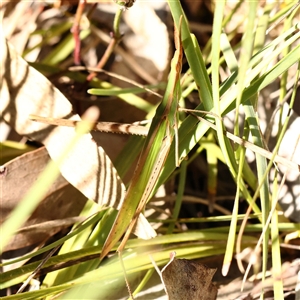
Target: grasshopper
156,149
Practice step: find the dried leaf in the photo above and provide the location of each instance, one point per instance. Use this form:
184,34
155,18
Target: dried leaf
62,201
187,279
150,44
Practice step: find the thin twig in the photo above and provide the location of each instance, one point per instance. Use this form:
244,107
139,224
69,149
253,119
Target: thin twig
116,37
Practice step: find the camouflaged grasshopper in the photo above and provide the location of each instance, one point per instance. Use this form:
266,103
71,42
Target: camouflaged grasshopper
154,154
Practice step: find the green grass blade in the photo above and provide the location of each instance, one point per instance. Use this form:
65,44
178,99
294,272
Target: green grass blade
193,55
64,49
275,250
180,193
117,91
52,32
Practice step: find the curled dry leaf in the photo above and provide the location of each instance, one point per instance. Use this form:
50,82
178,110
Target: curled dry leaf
187,279
25,91
62,201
